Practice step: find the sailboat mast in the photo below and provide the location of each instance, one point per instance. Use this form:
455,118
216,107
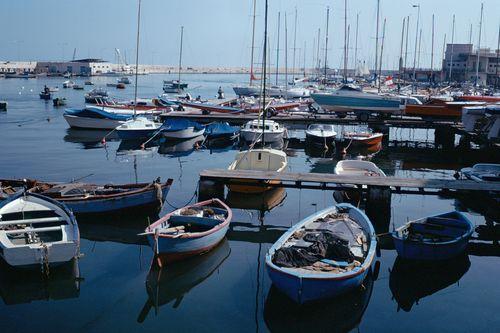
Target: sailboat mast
432,48
180,60
304,60
278,49
314,53
345,41
356,43
401,49
498,54
452,41
479,46
318,56
348,45
294,41
253,41
416,42
264,79
326,41
442,56
381,54
376,37
137,56
419,46
467,69
406,46
286,58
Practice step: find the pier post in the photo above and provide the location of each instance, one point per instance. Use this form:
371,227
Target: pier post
444,138
378,207
208,189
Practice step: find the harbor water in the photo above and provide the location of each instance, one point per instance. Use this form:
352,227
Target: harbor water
112,289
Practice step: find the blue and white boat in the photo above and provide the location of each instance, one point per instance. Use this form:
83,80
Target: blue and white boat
189,231
304,274
221,131
95,118
181,129
437,237
138,128
350,98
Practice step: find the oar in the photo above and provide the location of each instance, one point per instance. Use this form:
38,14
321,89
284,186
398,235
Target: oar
77,179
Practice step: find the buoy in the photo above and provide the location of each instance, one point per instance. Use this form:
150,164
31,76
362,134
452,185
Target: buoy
143,146
103,141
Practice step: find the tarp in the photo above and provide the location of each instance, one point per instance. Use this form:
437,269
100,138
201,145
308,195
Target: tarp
180,124
221,128
94,112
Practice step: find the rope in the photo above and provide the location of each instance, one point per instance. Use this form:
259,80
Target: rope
190,200
45,260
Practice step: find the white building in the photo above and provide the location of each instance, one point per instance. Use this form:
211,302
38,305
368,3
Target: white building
17,66
83,67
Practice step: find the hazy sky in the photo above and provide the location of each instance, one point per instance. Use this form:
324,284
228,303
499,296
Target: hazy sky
218,32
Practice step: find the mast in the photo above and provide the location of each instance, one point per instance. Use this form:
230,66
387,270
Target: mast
326,41
432,49
313,53
479,46
137,56
376,37
419,46
498,54
180,60
416,42
442,56
304,60
318,56
253,41
356,44
467,69
347,54
264,79
452,41
294,41
286,59
381,54
278,49
345,41
401,49
406,47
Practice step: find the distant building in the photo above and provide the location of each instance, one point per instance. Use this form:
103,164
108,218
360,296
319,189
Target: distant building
17,67
82,67
462,60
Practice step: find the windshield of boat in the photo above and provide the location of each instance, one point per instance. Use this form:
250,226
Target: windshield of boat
319,127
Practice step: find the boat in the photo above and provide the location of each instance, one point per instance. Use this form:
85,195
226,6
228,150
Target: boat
124,80
247,90
221,131
68,84
351,98
45,95
138,128
89,83
189,231
362,139
25,75
120,85
322,134
179,148
173,86
53,89
253,131
94,118
304,274
96,95
36,231
84,198
77,87
483,172
437,237
59,101
206,107
480,98
410,282
438,109
263,159
173,283
358,168
483,119
181,129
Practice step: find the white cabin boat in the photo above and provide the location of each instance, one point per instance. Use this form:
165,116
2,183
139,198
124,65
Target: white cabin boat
320,133
253,131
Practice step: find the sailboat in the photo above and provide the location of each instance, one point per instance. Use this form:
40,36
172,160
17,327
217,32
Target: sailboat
263,159
175,86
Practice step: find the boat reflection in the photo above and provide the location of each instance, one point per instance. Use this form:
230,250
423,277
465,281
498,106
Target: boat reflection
316,151
173,282
89,139
133,148
19,287
180,148
263,202
279,144
339,314
409,281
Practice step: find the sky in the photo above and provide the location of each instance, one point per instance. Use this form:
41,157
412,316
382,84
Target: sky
217,33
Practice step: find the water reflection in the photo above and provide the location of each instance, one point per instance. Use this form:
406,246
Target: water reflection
340,314
172,283
89,139
180,148
409,281
18,287
262,202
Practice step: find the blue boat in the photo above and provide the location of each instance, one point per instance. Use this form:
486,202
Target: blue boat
181,129
302,272
221,130
437,237
92,117
84,198
189,231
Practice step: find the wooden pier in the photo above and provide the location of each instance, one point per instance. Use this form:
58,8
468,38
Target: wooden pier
322,181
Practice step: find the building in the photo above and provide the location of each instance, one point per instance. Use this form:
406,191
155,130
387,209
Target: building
17,67
460,62
82,67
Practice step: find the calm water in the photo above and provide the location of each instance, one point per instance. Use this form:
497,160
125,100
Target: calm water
111,288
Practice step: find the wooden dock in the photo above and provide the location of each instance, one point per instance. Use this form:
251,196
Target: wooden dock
322,181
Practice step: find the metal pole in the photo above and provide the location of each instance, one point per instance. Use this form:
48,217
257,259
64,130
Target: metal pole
180,60
253,41
467,69
419,46
401,50
381,54
376,37
294,41
497,64
479,46
286,58
406,47
318,57
264,78
137,55
452,41
416,40
345,41
278,49
326,42
432,48
356,44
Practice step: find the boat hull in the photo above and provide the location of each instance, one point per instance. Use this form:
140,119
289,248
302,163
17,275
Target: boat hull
92,123
247,91
187,133
135,134
253,186
31,257
340,103
251,136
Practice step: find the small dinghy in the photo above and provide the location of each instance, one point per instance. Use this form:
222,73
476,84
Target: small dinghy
358,168
189,231
437,237
320,134
363,139
181,129
138,128
324,255
483,172
37,231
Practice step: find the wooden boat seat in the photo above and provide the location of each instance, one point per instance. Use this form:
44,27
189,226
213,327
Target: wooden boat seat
26,230
32,221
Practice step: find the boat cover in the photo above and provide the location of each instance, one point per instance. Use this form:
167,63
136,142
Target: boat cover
221,128
94,112
180,124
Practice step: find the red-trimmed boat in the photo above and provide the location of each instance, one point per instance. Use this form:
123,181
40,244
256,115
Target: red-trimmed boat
365,139
189,231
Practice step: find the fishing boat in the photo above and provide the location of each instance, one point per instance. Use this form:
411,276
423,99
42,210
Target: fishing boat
173,86
45,95
437,108
94,118
89,83
221,131
96,95
36,231
299,269
59,101
181,129
120,86
138,128
262,130
77,87
358,168
84,198
362,139
322,134
25,75
189,231
483,172
124,80
437,237
68,84
263,159
53,89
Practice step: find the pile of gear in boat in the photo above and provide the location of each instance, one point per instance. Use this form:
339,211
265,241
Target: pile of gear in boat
182,221
334,243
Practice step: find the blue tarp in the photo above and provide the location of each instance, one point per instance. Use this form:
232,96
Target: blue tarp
95,112
221,129
180,124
